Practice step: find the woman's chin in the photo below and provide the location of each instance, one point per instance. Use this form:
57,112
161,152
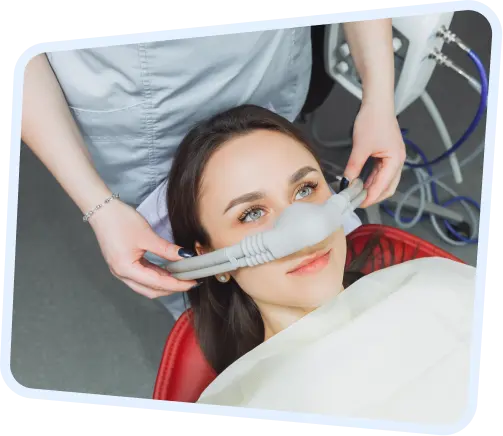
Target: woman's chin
315,296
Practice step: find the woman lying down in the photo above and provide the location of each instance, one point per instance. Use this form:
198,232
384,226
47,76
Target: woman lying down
298,334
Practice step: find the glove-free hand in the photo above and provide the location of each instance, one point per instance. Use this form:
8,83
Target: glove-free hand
124,237
377,134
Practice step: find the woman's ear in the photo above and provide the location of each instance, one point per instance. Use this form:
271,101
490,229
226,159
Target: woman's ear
200,250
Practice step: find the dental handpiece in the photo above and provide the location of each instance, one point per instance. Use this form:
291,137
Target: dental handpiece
301,225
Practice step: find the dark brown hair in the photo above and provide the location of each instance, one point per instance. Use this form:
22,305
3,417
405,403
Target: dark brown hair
227,322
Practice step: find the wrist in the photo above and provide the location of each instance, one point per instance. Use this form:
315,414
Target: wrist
378,86
91,197
382,102
102,209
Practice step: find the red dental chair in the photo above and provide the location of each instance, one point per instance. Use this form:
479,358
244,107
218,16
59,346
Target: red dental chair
184,373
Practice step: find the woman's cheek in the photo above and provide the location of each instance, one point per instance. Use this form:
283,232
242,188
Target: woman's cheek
340,247
259,281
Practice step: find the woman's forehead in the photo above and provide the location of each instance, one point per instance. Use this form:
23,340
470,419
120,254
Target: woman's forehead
261,157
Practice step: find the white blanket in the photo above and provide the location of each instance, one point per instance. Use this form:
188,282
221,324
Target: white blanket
393,346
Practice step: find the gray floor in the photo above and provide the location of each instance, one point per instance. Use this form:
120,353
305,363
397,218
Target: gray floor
76,328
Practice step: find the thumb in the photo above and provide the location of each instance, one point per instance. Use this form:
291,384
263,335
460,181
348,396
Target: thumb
356,161
162,248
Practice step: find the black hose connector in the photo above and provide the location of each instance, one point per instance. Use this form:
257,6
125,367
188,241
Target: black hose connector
463,228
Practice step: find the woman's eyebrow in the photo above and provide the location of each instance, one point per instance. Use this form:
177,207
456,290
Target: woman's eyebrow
300,174
245,198
255,196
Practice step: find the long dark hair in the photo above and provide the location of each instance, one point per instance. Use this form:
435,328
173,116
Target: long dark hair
227,321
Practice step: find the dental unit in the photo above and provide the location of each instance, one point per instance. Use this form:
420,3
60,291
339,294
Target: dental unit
418,42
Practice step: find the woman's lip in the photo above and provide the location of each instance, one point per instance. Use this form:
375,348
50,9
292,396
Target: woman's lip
311,259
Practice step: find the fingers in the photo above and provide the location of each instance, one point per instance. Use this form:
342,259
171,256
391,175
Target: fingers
154,278
383,181
151,277
144,290
356,162
372,176
392,187
141,289
146,264
162,248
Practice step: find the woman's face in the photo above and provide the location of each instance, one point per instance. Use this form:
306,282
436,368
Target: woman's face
245,186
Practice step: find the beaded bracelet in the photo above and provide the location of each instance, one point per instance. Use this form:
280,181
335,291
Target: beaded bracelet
89,214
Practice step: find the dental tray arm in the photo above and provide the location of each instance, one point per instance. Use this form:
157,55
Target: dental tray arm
301,225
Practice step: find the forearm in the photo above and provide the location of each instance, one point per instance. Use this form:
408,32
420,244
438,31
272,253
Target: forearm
49,129
371,47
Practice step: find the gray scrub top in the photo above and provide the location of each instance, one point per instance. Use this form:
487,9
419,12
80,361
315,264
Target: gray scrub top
134,103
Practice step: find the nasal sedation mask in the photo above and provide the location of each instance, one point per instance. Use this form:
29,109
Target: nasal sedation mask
301,225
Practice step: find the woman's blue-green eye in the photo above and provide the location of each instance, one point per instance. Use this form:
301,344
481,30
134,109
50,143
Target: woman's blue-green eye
304,192
253,215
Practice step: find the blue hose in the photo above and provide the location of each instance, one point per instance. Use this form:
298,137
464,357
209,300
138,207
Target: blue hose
476,120
420,152
449,225
434,193
427,165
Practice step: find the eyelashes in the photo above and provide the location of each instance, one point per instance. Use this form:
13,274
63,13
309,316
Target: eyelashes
253,213
306,185
248,213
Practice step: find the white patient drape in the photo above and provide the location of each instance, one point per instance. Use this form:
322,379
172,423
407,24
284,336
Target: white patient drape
394,346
